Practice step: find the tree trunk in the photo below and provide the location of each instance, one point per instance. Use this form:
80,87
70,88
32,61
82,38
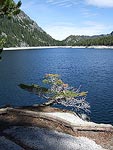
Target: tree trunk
48,103
1,49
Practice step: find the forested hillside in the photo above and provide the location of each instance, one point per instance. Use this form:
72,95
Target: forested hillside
22,31
106,40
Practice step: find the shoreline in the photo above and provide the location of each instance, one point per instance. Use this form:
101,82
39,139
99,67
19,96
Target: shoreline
59,121
34,48
48,47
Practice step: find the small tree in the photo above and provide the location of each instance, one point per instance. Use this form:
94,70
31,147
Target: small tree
57,92
9,8
2,42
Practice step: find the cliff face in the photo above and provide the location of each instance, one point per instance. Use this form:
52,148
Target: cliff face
57,120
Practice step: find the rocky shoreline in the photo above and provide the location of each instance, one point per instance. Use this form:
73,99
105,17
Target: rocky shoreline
46,47
54,119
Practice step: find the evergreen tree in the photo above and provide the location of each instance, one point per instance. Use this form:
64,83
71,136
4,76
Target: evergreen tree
57,92
9,8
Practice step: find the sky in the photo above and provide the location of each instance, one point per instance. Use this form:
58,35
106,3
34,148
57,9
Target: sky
62,18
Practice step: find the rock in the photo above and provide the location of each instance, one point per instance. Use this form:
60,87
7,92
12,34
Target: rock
54,120
6,144
44,139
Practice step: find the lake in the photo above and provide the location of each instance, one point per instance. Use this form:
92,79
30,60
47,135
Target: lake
90,68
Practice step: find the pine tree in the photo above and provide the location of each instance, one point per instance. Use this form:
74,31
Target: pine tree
9,8
58,92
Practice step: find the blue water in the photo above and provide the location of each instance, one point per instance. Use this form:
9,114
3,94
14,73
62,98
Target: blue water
91,68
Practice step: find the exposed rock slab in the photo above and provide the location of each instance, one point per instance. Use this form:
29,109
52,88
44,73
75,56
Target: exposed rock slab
6,144
44,139
59,120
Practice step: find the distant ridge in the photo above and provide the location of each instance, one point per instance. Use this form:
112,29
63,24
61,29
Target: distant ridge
21,31
104,39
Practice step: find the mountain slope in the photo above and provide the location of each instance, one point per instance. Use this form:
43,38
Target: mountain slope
22,31
106,40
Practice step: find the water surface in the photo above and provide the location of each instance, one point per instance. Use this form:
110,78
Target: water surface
91,68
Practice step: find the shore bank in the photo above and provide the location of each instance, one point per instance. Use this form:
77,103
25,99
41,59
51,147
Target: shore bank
34,48
32,120
48,47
